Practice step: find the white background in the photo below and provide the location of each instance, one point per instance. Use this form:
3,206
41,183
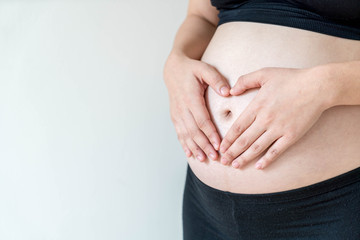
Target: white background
87,147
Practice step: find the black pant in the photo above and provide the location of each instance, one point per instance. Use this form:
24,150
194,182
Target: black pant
327,210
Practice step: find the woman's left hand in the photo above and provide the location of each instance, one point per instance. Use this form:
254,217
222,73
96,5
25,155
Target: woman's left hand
287,104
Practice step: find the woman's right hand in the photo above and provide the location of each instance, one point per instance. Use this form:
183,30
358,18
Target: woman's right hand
186,80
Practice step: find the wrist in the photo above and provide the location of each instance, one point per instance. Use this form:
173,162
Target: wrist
176,63
174,60
328,80
178,55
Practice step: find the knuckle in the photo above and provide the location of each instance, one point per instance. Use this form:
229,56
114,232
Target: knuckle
189,143
203,123
268,119
203,73
237,129
217,79
253,109
255,148
194,148
193,133
273,152
270,155
191,149
201,141
208,68
208,148
199,135
211,134
230,154
242,142
226,142
199,151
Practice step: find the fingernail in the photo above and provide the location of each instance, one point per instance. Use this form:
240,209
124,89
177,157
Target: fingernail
235,164
212,156
222,149
215,145
224,90
199,157
258,165
224,161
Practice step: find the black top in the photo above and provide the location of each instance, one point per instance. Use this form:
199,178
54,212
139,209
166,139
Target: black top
339,18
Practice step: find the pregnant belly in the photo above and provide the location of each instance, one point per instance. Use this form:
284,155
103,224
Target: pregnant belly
329,148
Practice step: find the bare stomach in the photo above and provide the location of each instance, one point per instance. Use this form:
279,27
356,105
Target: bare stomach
331,147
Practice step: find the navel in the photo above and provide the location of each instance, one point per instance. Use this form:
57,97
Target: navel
227,113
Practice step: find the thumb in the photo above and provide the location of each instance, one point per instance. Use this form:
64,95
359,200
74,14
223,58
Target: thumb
214,79
247,81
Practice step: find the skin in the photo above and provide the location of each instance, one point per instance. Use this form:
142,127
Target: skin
270,118
186,84
187,79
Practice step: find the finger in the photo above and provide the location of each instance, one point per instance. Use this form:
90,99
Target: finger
203,121
209,74
199,137
245,119
273,153
181,131
243,142
260,145
251,80
187,150
195,149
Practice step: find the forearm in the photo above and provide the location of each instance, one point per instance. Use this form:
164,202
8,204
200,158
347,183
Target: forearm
341,82
193,36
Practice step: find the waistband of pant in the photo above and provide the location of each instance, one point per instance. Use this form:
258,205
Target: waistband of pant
322,187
